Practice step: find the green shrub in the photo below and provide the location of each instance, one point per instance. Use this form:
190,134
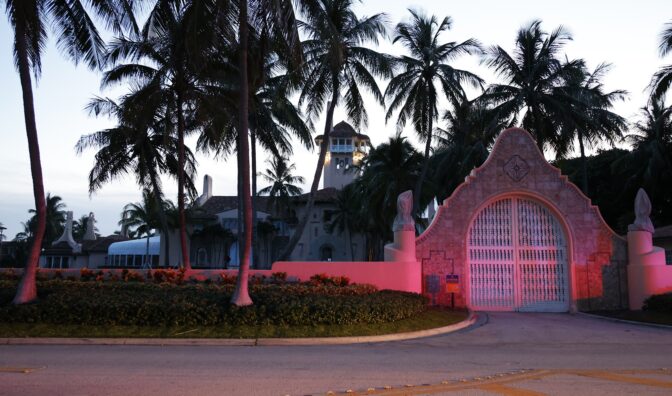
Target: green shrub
659,303
151,304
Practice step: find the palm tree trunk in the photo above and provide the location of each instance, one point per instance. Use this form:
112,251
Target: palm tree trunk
147,260
180,184
584,165
324,147
352,252
241,296
162,219
255,245
27,289
425,167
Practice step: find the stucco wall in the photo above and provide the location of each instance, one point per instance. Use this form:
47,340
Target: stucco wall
597,256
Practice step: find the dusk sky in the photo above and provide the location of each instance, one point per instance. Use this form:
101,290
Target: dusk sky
623,33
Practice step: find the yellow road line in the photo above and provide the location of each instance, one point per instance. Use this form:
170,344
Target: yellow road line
508,391
624,378
21,370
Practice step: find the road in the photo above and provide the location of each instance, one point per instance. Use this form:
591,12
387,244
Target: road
558,353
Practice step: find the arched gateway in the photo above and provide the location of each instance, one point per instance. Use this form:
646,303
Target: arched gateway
517,258
518,236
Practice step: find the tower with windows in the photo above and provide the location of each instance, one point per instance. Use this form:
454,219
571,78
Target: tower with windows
346,148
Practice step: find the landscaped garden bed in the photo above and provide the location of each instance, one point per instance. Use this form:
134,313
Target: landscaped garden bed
657,309
142,304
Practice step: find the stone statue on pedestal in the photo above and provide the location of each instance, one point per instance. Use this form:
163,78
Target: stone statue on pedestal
404,220
642,213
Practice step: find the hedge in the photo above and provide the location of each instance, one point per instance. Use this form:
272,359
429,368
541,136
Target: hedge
659,303
147,304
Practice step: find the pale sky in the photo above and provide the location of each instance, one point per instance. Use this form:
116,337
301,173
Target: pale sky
623,33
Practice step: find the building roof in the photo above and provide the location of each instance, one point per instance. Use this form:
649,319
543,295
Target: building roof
136,246
222,203
343,130
328,194
99,245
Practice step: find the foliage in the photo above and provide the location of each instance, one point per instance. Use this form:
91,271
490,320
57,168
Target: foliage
283,185
99,303
659,303
662,79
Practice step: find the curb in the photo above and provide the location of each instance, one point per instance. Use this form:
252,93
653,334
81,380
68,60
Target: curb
632,322
472,319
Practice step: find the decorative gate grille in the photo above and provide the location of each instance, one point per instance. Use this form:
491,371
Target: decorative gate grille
517,258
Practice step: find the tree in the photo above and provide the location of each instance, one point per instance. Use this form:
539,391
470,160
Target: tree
283,185
414,90
55,219
649,164
79,40
335,61
346,217
464,144
662,79
79,227
531,73
137,145
163,60
590,118
389,169
145,216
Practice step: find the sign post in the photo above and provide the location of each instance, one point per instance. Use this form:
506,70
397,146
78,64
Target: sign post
452,287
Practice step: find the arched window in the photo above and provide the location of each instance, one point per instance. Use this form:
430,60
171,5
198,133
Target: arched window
326,253
201,257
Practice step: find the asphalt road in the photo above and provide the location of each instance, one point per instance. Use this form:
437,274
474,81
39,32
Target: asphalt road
565,353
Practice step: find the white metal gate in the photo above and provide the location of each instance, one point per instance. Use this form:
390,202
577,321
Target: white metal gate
517,258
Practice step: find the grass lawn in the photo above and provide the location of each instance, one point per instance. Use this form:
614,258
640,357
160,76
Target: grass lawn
639,316
429,319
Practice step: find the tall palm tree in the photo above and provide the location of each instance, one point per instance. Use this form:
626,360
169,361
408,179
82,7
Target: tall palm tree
337,63
164,60
283,184
79,40
662,79
425,74
137,145
464,144
531,75
591,119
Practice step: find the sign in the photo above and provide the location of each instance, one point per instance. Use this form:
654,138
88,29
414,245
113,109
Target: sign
452,283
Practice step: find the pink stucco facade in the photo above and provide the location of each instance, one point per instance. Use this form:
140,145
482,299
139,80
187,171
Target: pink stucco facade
597,257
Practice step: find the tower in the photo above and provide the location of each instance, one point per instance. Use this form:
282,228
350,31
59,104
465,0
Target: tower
347,148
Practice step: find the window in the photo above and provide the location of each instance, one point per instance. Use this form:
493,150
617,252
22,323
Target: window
668,256
326,253
327,215
315,231
348,142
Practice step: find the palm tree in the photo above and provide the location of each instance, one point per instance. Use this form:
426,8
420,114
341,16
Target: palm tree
337,61
389,169
144,217
78,40
163,60
56,217
346,217
662,80
414,90
283,184
137,145
464,144
590,118
79,227
649,164
531,73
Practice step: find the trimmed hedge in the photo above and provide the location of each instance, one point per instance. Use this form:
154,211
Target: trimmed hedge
145,304
659,303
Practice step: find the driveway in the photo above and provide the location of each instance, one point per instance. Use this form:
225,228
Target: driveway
555,351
